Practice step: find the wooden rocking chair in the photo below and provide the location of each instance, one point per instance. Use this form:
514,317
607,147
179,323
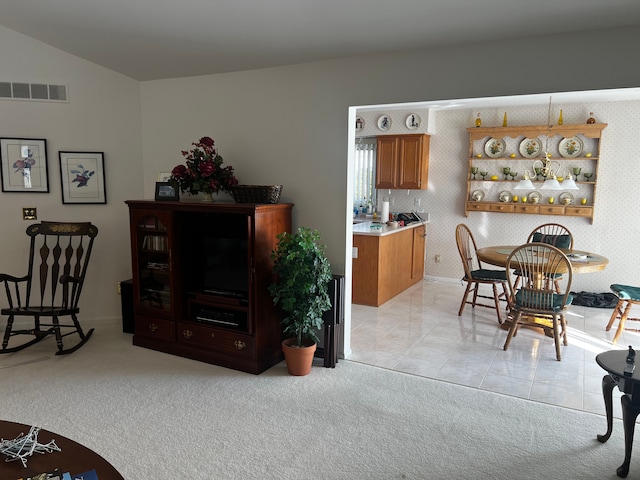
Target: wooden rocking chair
58,258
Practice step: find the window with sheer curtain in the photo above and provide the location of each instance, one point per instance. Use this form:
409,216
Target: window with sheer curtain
364,188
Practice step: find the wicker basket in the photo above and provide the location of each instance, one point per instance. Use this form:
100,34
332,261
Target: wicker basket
256,193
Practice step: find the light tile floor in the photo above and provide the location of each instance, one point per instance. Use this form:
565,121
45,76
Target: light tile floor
419,332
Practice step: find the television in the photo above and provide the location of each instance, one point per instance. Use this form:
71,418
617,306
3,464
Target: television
222,266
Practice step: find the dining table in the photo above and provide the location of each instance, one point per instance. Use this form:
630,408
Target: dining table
581,262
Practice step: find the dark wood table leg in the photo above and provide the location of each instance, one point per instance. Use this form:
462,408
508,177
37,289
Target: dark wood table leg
629,414
608,384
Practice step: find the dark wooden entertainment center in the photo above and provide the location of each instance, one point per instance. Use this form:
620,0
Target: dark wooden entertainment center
200,277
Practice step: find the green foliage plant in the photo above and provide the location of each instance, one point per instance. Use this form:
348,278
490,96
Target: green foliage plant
301,276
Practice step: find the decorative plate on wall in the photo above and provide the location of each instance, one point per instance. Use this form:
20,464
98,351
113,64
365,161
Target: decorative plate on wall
534,197
384,122
413,121
566,198
477,196
494,148
530,147
504,196
570,147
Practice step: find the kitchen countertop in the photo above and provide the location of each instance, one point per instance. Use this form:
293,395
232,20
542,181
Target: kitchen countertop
364,228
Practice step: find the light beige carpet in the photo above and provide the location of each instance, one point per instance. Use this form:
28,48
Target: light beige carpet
158,416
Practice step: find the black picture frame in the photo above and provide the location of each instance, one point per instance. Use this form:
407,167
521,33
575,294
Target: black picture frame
23,165
166,193
82,177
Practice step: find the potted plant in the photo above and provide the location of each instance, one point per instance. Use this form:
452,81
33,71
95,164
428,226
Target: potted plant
301,276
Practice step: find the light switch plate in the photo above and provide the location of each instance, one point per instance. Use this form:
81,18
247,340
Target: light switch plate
29,213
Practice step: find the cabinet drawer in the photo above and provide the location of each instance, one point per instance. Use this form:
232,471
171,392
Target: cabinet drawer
502,207
215,339
579,211
551,210
155,328
477,206
526,208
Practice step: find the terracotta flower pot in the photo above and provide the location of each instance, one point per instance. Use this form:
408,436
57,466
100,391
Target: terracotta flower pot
299,359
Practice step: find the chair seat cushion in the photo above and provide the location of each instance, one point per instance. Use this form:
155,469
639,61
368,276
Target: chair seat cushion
532,299
487,274
560,241
626,292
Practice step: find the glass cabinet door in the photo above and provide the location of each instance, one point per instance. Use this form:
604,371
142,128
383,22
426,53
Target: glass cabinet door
154,263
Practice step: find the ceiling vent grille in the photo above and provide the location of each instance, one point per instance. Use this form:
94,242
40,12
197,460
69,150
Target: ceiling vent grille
41,92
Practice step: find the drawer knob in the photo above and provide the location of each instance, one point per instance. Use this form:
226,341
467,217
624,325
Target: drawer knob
187,333
240,344
153,327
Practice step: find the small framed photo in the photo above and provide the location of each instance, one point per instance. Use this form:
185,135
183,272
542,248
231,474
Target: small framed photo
82,177
164,176
166,192
24,165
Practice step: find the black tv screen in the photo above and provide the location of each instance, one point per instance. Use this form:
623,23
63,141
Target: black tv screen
224,265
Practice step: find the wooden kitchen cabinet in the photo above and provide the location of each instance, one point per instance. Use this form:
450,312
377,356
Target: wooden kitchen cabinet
387,265
419,243
402,162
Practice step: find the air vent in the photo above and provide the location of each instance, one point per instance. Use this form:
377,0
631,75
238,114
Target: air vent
41,92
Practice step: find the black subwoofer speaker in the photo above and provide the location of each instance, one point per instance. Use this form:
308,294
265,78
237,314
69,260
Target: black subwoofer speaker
332,319
126,295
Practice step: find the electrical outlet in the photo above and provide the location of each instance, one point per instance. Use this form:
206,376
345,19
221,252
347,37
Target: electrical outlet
354,252
438,258
118,288
417,201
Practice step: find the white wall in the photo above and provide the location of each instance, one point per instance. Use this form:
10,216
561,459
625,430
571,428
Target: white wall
286,125
103,114
289,125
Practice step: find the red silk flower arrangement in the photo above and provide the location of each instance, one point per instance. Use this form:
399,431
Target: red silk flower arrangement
203,170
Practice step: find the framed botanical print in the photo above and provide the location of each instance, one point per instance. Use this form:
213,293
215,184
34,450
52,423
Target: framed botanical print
24,165
82,177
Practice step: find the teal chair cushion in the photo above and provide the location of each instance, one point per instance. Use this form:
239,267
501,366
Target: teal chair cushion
529,297
560,241
486,274
626,292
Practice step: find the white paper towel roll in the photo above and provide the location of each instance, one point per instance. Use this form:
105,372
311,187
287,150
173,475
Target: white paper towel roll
384,218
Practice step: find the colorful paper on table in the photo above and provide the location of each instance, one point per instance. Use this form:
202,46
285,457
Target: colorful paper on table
88,475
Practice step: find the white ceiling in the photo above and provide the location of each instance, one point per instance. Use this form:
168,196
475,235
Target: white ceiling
149,40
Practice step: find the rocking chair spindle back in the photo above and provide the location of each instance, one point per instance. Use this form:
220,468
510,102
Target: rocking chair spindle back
59,255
